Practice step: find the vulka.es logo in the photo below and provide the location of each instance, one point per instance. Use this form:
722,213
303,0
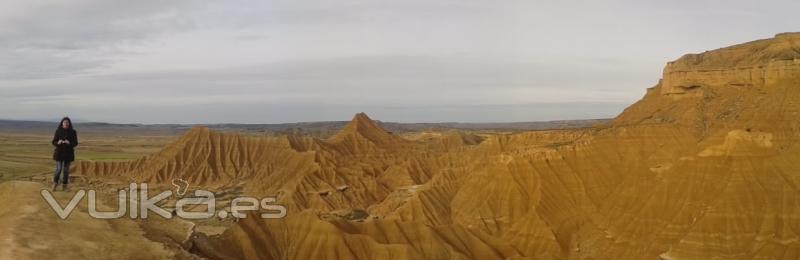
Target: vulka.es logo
141,205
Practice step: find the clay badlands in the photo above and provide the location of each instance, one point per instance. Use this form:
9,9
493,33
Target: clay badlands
705,166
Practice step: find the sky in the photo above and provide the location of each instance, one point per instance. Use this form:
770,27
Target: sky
265,61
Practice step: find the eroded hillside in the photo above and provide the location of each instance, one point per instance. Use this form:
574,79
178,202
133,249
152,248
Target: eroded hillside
705,166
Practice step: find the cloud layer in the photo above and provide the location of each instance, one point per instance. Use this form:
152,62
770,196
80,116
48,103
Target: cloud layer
412,61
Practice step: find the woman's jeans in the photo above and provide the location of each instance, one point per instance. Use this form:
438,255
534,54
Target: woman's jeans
62,166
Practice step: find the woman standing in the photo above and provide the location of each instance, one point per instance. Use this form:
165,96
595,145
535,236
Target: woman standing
65,139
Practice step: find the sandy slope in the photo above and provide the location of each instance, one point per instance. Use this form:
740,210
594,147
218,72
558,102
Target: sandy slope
703,167
33,231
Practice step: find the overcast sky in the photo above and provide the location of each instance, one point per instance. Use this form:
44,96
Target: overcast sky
154,61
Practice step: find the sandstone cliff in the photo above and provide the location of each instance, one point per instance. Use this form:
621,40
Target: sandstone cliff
705,166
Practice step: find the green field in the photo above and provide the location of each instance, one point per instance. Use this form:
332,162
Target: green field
29,154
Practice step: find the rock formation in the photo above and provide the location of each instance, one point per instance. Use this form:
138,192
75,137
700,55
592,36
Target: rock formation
705,166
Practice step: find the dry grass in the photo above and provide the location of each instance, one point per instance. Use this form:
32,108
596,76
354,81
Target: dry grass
25,154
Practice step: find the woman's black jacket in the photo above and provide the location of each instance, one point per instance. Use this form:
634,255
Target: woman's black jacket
65,152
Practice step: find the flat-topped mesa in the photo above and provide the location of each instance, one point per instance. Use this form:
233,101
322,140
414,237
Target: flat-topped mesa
363,127
755,63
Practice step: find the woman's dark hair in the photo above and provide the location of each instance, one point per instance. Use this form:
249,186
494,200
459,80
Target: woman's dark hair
62,122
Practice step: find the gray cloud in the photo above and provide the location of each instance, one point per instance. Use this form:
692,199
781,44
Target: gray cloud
59,39
277,61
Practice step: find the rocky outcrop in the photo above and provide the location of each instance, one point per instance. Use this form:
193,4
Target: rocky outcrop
753,64
703,167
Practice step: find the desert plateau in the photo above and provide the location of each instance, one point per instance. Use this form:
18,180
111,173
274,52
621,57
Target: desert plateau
705,166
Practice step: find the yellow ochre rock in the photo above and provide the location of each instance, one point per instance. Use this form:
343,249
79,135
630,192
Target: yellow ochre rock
705,166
